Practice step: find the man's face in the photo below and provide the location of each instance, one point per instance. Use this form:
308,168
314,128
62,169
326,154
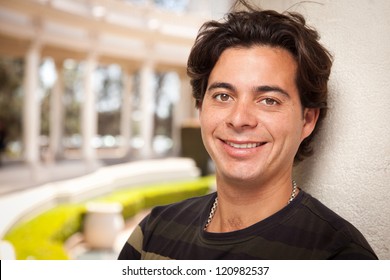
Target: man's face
251,117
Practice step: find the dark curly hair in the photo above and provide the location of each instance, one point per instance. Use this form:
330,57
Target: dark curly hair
266,28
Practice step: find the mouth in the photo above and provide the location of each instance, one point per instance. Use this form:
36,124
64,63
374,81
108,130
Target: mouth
249,145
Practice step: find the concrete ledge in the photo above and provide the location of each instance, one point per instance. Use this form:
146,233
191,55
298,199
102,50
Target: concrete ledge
17,206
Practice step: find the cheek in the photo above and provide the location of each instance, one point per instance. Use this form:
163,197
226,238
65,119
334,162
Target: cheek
202,118
208,117
206,131
205,123
287,128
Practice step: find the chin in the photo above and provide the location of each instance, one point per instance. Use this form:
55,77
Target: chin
240,177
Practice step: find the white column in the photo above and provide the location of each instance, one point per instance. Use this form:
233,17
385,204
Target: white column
187,102
31,105
183,111
147,108
126,110
57,114
88,113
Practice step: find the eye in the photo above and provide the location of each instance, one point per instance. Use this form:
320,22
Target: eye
269,101
222,97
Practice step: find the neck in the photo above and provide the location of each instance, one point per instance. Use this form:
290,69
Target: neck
244,207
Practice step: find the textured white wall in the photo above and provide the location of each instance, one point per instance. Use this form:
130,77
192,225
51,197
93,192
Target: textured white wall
350,171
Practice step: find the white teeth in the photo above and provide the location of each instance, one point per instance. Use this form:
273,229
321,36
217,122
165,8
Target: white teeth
244,146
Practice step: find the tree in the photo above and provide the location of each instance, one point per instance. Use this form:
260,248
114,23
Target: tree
11,98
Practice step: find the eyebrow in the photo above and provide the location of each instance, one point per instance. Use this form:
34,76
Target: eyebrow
221,85
261,89
271,88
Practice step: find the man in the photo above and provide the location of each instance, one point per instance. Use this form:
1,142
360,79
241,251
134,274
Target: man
260,82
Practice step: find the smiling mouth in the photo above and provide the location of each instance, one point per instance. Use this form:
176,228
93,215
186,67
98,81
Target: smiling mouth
244,145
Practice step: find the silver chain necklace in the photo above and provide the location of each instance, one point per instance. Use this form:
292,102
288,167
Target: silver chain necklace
215,204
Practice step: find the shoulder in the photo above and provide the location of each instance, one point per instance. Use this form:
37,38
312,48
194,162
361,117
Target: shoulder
165,223
317,210
340,233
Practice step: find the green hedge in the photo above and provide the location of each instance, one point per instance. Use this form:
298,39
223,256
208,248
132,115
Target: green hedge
43,236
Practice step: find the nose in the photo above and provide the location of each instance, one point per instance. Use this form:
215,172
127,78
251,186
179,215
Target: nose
242,116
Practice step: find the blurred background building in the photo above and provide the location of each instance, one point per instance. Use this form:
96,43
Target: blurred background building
102,81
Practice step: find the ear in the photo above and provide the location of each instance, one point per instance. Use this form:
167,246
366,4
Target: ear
310,117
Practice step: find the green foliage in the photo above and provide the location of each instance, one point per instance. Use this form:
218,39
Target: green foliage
43,237
132,201
169,193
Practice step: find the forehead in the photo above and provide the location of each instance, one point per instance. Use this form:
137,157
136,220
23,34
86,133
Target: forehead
260,63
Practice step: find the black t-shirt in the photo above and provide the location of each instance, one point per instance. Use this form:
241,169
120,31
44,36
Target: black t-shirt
304,229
